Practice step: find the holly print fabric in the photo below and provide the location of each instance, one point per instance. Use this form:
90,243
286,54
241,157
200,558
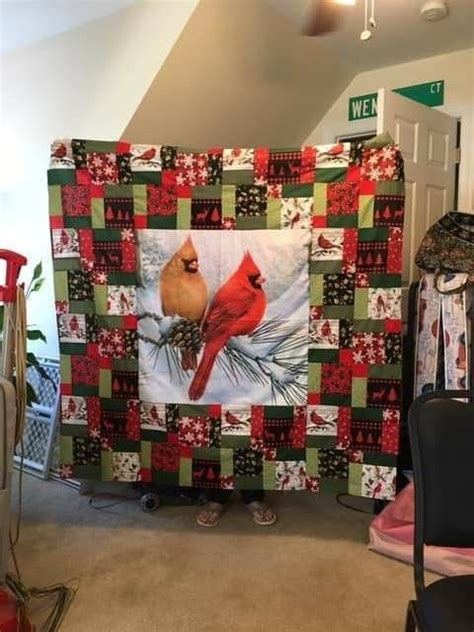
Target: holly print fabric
229,318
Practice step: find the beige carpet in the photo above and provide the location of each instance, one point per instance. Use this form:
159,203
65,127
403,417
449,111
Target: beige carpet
159,572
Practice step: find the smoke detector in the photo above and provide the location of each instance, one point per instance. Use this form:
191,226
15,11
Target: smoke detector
433,10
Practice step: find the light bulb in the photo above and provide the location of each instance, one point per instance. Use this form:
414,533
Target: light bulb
346,2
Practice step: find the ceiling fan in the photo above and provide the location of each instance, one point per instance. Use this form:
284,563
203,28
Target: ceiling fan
326,16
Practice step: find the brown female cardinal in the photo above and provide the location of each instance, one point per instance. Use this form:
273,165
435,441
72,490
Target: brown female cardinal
236,310
184,291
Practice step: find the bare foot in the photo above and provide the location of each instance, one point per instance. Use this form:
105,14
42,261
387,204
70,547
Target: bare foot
262,514
210,515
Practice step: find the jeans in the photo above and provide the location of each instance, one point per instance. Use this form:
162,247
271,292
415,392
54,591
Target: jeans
223,495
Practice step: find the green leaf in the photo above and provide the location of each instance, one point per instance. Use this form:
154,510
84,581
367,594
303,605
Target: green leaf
35,334
37,271
31,397
32,361
37,285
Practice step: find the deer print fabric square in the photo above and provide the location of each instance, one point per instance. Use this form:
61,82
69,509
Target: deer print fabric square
229,318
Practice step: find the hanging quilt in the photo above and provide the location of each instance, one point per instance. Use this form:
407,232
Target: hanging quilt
229,318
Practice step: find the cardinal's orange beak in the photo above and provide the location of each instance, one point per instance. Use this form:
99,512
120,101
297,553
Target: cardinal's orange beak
193,266
260,280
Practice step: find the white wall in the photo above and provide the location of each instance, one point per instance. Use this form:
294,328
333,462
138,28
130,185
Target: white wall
86,83
457,69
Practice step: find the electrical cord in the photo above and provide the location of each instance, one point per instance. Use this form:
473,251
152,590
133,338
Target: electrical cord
347,506
119,500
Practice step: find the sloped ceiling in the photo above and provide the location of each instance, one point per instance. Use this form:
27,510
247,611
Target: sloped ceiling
241,74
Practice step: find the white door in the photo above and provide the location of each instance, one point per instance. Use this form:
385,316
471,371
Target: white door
427,140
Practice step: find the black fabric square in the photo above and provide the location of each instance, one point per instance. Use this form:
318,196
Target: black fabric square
346,329
250,200
125,384
113,425
278,433
79,153
214,169
393,348
108,256
338,289
172,418
206,473
247,462
366,435
388,210
215,432
284,167
118,212
333,463
92,328
372,256
124,169
81,287
206,214
383,393
168,158
85,451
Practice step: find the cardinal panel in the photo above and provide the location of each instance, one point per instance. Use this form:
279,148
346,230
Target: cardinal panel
229,318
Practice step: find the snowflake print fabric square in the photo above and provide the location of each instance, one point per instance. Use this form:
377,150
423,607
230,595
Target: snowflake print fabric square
229,317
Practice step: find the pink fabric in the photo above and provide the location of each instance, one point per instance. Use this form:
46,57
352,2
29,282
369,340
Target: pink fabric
392,531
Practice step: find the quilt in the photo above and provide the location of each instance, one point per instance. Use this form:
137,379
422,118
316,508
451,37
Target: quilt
229,317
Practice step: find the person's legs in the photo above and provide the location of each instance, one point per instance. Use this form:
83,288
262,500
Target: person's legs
262,514
211,513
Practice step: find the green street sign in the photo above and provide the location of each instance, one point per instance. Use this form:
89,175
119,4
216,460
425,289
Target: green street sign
365,106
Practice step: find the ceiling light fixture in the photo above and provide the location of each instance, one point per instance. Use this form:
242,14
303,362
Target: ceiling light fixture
434,10
345,2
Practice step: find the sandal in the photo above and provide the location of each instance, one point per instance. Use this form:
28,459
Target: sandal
211,514
262,514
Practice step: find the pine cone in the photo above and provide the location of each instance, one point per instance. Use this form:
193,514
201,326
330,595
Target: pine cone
186,336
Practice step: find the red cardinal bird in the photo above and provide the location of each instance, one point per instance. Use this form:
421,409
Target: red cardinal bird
236,310
295,219
326,329
325,244
147,155
59,152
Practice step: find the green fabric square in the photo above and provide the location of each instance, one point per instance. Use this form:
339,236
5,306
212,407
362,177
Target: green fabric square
231,176
325,267
118,190
323,355
82,307
251,223
67,264
55,201
125,364
105,383
274,213
209,192
65,449
139,199
146,177
342,221
77,222
167,222
184,214
355,479
390,187
312,462
100,299
74,430
361,303
74,348
278,412
61,291
227,462
61,176
145,449
321,441
366,211
359,392
385,280
269,475
228,200
185,472
297,190
320,199
193,410
388,371
314,377
100,146
338,311
366,325
249,482
106,469
316,289
65,369
98,216
231,441
374,234
331,174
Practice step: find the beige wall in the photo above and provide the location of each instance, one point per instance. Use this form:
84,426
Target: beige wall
84,84
457,69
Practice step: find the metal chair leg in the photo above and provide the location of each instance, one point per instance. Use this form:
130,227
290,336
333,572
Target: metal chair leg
410,622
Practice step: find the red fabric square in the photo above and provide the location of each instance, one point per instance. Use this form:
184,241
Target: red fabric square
353,174
105,362
66,389
92,350
145,475
360,370
83,176
140,221
130,322
97,190
185,452
184,192
165,457
191,169
393,325
367,187
85,370
76,200
319,221
168,178
336,379
162,200
214,410
342,198
122,148
314,398
345,356
103,168
56,221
